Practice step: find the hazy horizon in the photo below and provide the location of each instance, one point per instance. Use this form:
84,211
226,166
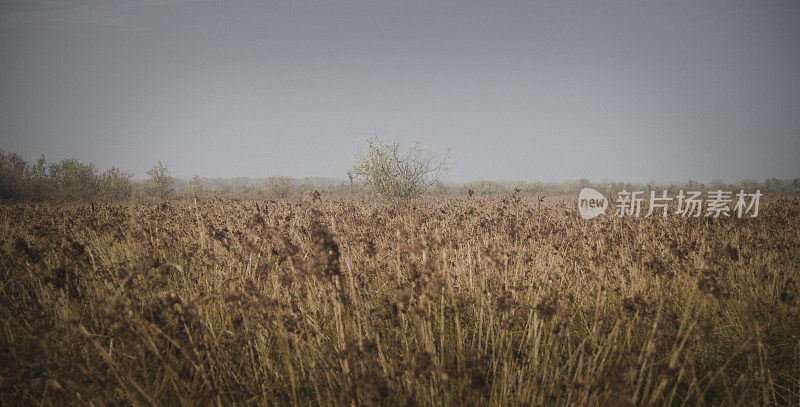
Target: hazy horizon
551,91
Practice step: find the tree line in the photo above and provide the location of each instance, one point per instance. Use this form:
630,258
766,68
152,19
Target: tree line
71,180
380,171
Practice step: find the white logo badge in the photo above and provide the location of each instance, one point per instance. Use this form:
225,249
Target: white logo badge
591,203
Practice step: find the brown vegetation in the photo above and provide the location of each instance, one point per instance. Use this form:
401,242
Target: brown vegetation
313,300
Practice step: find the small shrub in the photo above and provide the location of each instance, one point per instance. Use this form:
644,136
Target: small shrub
196,187
386,171
280,187
116,184
160,182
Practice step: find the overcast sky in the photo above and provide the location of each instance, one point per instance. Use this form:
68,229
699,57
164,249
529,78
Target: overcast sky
627,90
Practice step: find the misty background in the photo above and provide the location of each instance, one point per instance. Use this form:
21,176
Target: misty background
626,90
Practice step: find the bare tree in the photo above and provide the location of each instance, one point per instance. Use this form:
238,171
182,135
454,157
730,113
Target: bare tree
387,171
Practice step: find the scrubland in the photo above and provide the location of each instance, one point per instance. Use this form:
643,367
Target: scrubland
498,300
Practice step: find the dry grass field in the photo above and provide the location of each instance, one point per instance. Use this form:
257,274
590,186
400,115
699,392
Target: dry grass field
440,301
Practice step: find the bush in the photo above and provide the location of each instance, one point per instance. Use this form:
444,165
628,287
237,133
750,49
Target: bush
388,172
280,187
160,182
116,184
13,176
68,179
75,180
196,187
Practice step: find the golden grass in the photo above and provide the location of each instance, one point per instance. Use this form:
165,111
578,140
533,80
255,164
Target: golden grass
342,301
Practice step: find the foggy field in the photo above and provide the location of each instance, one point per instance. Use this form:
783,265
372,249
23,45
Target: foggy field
399,203
437,301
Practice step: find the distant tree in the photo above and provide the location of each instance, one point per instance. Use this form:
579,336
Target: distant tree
39,184
717,184
439,187
160,181
196,186
748,185
12,176
116,184
75,180
280,187
772,185
387,171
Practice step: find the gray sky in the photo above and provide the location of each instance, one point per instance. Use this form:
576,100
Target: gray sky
629,90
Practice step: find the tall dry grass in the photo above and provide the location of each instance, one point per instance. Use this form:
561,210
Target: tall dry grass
443,301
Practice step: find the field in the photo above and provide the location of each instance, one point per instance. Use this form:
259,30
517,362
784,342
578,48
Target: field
343,301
